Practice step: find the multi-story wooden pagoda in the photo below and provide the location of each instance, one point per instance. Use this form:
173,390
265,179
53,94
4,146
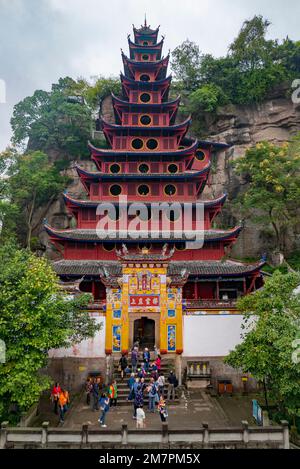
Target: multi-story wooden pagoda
144,285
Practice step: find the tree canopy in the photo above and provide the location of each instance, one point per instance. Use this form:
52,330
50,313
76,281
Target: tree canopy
267,351
36,316
32,182
273,186
253,66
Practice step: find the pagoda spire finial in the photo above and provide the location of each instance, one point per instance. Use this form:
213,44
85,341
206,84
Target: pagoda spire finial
145,24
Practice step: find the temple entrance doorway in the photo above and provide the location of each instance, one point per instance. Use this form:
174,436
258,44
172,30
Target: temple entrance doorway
144,332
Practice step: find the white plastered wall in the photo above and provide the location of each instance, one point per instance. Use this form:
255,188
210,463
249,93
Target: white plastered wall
91,348
211,335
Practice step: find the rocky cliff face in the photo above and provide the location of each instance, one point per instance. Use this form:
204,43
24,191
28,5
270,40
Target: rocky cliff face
275,120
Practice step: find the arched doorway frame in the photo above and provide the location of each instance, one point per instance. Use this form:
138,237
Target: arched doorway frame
134,316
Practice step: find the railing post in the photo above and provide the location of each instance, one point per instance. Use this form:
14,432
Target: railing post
45,426
3,434
286,435
85,434
245,426
165,433
206,433
124,434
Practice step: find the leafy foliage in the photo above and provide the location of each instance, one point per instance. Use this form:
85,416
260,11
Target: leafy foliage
206,99
33,183
267,351
102,88
59,120
36,316
252,68
273,185
185,63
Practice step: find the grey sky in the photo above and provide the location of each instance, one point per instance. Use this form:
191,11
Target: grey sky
42,40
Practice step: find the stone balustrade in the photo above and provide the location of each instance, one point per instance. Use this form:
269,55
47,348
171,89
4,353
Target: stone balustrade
204,437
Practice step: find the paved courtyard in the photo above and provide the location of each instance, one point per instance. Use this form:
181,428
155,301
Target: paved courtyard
188,413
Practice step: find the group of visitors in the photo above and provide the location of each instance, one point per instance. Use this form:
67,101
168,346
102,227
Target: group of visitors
61,400
103,398
100,399
138,388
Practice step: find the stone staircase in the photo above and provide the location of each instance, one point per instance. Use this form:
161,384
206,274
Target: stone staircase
123,390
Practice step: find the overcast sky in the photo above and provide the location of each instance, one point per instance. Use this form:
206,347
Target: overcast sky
42,40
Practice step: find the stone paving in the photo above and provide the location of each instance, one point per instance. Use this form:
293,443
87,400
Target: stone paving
188,414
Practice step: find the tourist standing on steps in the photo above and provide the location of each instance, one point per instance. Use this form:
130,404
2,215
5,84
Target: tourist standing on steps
56,390
113,393
134,359
63,403
146,359
138,399
140,417
130,384
104,406
172,382
96,393
161,384
162,409
123,363
156,352
158,363
153,396
88,390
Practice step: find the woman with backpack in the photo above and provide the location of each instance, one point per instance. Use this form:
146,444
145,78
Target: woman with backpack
104,406
153,395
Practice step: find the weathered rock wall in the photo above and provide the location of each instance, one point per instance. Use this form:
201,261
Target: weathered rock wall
274,120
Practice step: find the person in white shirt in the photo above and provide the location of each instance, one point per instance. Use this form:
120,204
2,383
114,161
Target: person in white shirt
161,385
140,417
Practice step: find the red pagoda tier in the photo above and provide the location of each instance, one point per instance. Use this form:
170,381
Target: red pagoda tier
149,162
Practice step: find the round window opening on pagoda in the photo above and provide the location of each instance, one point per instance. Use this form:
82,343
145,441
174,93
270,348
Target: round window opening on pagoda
200,155
137,143
145,77
145,43
115,190
143,190
145,120
145,97
109,246
144,168
152,144
145,57
173,168
170,189
115,168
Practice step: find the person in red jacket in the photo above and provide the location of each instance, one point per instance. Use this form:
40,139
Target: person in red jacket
55,393
158,363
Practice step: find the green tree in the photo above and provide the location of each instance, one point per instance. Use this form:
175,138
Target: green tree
36,316
59,120
251,49
207,98
33,184
271,175
267,351
185,63
8,211
102,88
